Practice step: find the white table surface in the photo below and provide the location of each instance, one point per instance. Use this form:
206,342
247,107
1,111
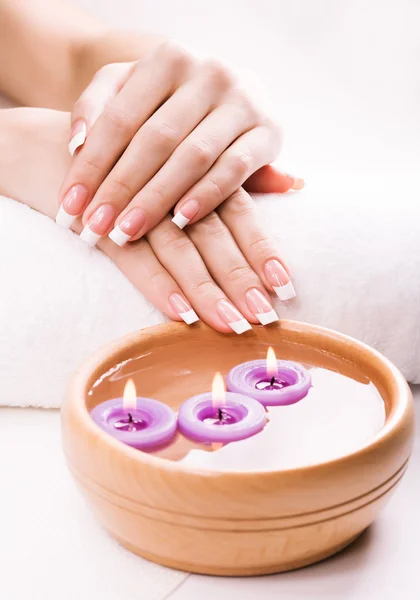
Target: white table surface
50,542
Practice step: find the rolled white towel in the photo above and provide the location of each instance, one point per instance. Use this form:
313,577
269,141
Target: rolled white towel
354,257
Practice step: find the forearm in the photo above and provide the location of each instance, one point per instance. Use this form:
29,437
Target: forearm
49,51
33,156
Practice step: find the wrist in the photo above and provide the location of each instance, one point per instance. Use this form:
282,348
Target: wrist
33,156
10,132
102,48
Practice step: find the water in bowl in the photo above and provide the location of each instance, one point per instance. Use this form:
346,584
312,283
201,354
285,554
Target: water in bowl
341,414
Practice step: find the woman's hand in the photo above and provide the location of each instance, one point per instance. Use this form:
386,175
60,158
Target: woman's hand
170,130
221,268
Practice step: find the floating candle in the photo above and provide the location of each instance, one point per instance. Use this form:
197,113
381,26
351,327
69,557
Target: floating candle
143,423
272,382
338,416
220,416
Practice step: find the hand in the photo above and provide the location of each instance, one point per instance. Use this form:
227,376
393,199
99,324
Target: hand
170,130
221,268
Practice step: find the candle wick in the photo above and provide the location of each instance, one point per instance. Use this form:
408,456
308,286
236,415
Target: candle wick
130,418
273,379
220,414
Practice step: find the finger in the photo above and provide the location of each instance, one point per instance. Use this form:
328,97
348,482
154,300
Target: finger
268,180
103,88
140,265
117,125
150,148
230,269
187,165
240,215
174,251
247,154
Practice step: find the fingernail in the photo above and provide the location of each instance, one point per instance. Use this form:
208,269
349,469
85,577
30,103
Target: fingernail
130,225
293,183
187,212
279,279
298,183
183,308
73,205
77,136
98,225
232,317
260,306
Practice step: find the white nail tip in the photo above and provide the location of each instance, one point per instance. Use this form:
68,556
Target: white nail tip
285,292
63,219
240,326
119,237
77,140
89,236
268,317
189,317
180,220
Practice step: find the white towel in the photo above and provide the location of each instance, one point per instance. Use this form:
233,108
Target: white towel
353,250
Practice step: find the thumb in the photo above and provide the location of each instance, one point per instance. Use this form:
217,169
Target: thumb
103,88
268,180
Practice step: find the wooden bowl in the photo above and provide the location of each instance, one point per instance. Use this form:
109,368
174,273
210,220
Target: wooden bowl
230,523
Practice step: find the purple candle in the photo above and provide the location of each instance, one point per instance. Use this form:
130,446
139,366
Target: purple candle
220,417
143,423
272,382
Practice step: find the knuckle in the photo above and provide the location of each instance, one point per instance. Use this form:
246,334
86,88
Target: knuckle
106,70
241,165
90,163
158,279
239,204
118,186
250,111
203,286
159,195
164,135
216,191
202,152
101,72
219,73
119,119
171,241
174,53
261,245
237,273
207,226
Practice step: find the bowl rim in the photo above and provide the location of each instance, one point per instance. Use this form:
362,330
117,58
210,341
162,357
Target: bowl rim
78,388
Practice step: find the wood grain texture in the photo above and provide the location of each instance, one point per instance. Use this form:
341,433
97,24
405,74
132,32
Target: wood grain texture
231,523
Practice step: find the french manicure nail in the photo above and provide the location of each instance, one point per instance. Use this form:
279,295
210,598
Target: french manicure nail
130,225
298,183
98,225
232,317
73,205
183,308
260,306
77,136
279,279
187,212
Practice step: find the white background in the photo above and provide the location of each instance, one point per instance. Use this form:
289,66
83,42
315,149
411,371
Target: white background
344,79
343,75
